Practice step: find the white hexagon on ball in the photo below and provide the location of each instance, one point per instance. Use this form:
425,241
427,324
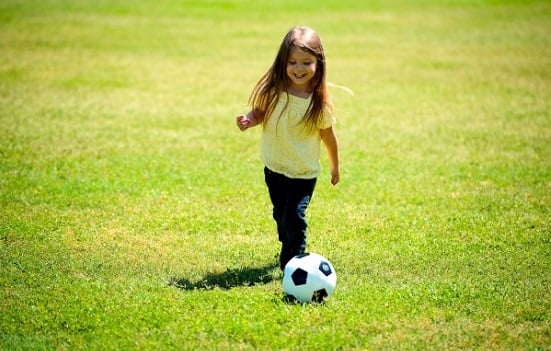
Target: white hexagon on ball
309,277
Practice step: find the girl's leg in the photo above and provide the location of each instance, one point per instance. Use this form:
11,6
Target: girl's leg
290,199
278,195
298,198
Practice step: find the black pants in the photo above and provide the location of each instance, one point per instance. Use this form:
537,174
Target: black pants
290,198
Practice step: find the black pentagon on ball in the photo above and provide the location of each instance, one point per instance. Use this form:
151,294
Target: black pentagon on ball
319,295
325,268
299,276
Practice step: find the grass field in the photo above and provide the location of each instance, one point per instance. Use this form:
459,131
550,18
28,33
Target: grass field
133,213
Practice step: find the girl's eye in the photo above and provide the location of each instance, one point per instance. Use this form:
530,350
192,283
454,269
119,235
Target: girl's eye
292,62
307,63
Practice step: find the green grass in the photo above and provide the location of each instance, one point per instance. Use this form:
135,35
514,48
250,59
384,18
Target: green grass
133,213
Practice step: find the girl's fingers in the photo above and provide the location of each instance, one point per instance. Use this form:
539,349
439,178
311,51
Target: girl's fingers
242,122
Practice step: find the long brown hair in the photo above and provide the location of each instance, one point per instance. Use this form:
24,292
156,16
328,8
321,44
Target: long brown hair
275,81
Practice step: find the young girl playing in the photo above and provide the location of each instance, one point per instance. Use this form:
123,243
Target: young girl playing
292,104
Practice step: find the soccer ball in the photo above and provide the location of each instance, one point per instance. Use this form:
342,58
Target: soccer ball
309,278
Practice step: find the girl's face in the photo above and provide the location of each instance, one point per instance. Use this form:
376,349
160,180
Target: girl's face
301,68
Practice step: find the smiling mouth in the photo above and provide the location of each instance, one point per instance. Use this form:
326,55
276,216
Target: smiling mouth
300,76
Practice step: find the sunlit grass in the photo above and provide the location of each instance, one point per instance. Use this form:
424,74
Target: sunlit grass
133,213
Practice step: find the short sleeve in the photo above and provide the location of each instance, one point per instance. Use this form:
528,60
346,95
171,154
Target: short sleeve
327,120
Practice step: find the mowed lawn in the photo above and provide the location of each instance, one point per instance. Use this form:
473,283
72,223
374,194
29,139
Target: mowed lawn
133,213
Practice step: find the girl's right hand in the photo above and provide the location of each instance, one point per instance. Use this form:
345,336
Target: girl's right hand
243,123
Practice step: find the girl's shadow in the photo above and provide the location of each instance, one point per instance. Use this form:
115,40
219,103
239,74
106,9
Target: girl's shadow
231,278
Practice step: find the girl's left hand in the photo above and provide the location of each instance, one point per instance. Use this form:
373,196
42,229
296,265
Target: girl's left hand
335,176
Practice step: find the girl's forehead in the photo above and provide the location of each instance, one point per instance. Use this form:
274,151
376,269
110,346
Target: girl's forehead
298,53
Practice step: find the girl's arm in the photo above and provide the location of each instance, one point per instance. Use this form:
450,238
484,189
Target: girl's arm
330,140
247,121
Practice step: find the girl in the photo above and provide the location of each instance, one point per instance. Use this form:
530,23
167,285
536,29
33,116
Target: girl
292,104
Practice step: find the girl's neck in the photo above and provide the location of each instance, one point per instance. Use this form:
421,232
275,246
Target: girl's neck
301,93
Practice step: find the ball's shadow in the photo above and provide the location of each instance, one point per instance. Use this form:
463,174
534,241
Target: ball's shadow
231,278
